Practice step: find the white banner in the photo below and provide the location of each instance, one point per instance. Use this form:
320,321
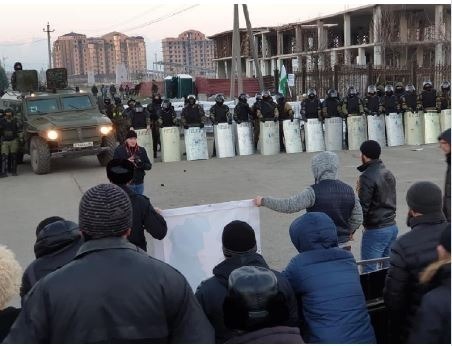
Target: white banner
193,243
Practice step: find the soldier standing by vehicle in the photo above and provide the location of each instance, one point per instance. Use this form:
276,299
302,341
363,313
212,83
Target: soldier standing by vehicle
9,133
331,106
443,101
120,124
285,113
372,105
427,98
192,114
242,111
108,108
140,118
94,90
254,109
409,99
219,113
17,67
153,109
167,116
389,102
311,107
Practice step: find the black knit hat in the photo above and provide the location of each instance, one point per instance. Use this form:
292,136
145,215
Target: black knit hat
105,210
445,238
445,136
424,197
238,238
120,172
131,134
371,149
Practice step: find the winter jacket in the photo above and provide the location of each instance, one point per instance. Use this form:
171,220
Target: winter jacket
211,292
112,292
273,335
377,194
344,208
432,322
144,218
7,318
327,285
143,165
56,245
410,254
447,187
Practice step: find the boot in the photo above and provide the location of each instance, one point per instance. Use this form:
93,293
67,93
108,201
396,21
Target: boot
14,165
3,166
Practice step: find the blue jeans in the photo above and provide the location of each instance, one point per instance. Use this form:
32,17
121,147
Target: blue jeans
376,243
138,188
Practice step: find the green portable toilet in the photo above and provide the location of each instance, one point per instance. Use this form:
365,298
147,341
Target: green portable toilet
184,85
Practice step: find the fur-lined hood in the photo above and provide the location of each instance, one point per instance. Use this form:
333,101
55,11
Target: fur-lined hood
433,269
10,276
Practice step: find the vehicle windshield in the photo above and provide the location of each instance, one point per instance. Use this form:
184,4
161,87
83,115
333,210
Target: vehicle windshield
76,102
42,106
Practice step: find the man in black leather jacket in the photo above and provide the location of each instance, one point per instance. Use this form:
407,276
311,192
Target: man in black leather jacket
376,189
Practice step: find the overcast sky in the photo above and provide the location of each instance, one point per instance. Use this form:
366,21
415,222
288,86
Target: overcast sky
22,37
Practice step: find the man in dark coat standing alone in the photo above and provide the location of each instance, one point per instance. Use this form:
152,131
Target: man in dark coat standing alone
145,217
444,144
112,292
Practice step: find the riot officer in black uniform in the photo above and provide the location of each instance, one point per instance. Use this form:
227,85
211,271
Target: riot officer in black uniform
254,112
380,92
444,97
167,116
331,106
242,111
219,113
409,99
192,114
153,108
119,122
389,102
17,67
427,98
10,126
268,109
285,112
398,92
372,105
108,108
140,118
352,104
311,106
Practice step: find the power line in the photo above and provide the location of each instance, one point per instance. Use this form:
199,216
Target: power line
21,44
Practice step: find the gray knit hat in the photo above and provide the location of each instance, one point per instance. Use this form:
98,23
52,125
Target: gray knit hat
105,210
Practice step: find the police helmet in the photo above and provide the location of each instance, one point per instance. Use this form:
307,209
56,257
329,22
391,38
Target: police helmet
312,93
445,85
117,100
371,89
351,91
266,94
410,88
157,97
280,98
191,99
166,104
427,84
107,101
242,97
332,93
258,96
399,86
138,107
389,89
17,66
219,98
131,103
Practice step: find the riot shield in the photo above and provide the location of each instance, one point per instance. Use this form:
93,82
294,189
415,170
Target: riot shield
376,129
414,128
196,144
432,127
144,139
292,136
269,138
357,131
224,140
333,133
394,129
314,135
170,141
445,119
245,144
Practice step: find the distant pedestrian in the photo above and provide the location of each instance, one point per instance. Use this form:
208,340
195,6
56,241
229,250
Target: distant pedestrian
127,91
410,254
328,195
121,92
57,243
94,90
145,217
137,155
432,323
112,292
326,283
444,144
10,272
239,249
256,308
112,91
377,194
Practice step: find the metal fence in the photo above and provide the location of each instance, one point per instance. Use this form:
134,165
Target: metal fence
341,77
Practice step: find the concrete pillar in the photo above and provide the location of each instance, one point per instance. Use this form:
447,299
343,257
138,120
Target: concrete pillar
378,55
439,34
347,31
298,39
333,57
264,46
403,27
361,56
226,70
347,57
279,43
248,68
321,36
420,56
377,22
273,66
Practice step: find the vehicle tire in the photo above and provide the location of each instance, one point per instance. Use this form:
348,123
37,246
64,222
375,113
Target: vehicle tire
106,156
39,155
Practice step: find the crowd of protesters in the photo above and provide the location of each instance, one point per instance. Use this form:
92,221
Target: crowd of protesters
93,282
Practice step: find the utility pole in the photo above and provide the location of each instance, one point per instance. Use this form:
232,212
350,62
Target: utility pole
253,47
48,31
236,63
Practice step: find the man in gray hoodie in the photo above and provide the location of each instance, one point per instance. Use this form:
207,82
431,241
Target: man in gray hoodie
328,195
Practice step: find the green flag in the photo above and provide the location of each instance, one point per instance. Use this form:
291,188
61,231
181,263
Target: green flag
282,88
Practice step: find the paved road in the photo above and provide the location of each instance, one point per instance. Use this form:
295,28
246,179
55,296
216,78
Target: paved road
29,198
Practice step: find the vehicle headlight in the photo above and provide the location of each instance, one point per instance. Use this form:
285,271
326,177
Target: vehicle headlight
52,135
105,130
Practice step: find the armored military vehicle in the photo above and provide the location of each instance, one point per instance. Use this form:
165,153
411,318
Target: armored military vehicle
58,121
